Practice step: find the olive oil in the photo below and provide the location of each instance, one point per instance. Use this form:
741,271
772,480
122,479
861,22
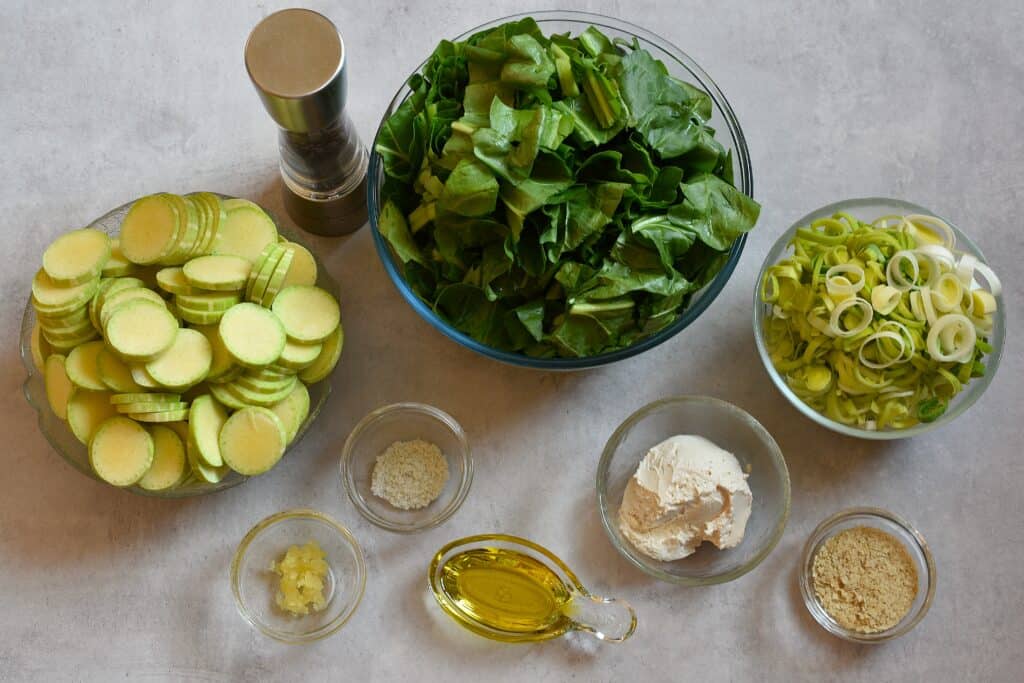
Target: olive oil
507,591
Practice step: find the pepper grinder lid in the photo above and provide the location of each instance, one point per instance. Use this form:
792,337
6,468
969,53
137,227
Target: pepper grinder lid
296,61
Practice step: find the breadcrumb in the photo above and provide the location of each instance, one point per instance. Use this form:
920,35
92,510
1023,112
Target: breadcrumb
410,474
865,579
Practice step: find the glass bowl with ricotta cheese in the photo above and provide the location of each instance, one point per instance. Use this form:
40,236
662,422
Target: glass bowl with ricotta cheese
693,490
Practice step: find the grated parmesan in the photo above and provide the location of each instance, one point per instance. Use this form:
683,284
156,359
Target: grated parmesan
410,474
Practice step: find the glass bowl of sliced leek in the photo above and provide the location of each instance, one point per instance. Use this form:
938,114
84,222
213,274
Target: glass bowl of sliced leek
69,414
878,319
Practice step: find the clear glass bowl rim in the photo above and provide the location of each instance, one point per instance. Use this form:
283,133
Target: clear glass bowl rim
744,176
824,531
465,455
604,508
285,515
967,397
39,404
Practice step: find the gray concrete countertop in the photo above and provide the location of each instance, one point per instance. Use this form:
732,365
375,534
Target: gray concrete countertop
917,100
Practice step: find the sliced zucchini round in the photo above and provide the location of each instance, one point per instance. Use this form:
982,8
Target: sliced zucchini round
202,471
169,465
87,410
327,360
206,418
142,378
166,416
50,297
172,280
219,273
144,397
221,362
220,301
58,386
39,346
252,441
293,410
261,398
149,230
224,394
113,302
121,451
258,286
309,314
252,334
303,267
117,265
115,373
83,368
76,257
194,317
132,409
296,356
186,362
277,278
141,330
246,230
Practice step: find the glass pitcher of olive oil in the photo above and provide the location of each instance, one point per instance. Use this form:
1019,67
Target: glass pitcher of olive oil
510,589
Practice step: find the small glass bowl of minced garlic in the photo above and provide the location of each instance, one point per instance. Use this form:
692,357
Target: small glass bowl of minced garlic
407,467
867,575
298,576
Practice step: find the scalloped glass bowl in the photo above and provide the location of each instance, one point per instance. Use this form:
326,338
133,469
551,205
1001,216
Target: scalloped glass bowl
732,429
869,209
723,121
75,453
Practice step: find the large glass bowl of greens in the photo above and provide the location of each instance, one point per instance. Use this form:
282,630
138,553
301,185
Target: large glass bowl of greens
885,380
75,453
560,202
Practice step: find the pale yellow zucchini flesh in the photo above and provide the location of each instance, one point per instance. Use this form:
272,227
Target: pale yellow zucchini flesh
252,441
141,330
218,273
293,410
121,451
186,362
83,368
169,463
205,421
77,256
115,373
309,314
252,334
303,268
327,360
87,410
58,386
245,232
149,230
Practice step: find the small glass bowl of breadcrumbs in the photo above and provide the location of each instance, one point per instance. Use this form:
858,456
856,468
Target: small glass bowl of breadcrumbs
407,467
867,575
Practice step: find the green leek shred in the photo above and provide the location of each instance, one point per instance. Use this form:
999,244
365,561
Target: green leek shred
825,371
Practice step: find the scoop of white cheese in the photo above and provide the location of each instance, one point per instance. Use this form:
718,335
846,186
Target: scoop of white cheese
686,491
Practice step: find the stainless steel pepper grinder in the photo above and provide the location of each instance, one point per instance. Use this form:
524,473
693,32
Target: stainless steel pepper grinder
296,60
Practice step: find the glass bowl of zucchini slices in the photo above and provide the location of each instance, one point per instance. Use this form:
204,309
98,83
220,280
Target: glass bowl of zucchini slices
878,319
179,344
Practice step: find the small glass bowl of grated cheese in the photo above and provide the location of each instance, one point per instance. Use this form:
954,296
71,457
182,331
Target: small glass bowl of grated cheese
407,467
